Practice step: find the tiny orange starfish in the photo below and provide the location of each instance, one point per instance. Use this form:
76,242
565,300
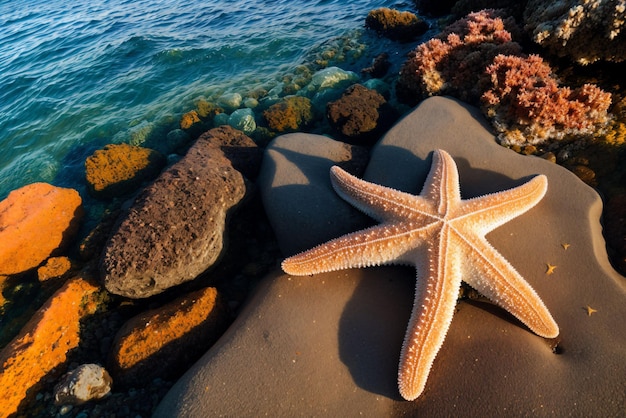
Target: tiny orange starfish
550,268
590,310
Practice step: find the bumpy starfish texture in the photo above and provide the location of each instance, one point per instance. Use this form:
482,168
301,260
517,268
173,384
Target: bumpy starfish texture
443,236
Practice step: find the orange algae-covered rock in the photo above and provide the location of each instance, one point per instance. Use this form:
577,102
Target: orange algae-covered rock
35,221
189,119
289,114
394,24
43,343
172,337
55,267
120,168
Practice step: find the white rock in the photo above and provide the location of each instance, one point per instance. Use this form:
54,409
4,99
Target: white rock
230,101
82,384
251,102
331,77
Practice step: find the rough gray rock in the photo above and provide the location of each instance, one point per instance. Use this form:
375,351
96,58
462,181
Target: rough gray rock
328,345
174,229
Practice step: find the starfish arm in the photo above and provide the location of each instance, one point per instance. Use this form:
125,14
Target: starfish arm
379,202
435,300
494,277
485,213
442,183
381,244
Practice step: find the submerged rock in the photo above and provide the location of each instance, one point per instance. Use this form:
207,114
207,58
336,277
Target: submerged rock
331,77
290,114
175,227
243,119
230,101
189,119
36,221
328,345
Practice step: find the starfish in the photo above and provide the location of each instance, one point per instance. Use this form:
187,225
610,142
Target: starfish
443,236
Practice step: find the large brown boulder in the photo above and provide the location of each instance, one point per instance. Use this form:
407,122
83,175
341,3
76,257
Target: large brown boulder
118,169
36,221
174,229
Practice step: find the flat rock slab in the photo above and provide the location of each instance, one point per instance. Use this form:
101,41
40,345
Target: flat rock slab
36,221
328,345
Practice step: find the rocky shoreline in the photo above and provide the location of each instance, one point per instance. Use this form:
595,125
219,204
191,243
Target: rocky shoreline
193,227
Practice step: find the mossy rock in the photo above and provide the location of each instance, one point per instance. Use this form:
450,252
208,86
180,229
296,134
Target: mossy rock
290,114
118,169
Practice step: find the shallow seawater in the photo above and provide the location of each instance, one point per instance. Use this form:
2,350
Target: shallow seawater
75,76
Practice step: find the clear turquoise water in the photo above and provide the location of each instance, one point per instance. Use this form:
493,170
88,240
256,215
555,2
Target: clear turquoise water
76,75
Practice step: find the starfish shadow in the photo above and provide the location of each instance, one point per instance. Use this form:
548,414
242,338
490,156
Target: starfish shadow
372,327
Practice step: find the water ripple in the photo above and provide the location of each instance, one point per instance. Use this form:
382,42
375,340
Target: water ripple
75,74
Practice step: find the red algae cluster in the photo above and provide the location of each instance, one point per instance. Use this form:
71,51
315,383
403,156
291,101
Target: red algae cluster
527,105
477,60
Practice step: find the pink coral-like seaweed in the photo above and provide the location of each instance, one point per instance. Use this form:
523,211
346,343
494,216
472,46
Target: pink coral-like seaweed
527,105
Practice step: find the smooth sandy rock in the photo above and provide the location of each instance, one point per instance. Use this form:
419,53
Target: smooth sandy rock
118,169
44,343
172,336
328,345
35,221
82,384
174,229
290,198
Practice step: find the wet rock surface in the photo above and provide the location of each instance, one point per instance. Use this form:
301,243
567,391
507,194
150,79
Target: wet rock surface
394,24
360,114
44,343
